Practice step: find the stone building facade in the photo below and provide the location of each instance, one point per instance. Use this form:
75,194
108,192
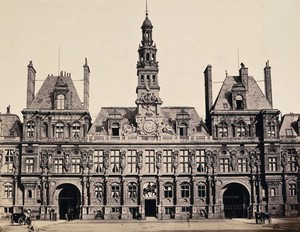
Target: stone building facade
149,160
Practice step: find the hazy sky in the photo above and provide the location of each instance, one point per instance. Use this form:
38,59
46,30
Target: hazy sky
189,34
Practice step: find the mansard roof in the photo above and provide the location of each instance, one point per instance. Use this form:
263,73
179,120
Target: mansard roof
126,115
10,125
44,97
255,98
289,125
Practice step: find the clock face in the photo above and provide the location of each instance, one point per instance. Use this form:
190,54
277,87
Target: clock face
149,126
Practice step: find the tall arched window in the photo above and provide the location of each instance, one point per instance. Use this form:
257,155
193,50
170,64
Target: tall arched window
201,190
76,130
222,129
98,191
59,130
132,190
115,190
8,190
30,129
185,190
168,190
271,129
60,102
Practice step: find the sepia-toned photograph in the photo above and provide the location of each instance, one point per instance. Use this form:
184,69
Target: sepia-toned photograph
149,115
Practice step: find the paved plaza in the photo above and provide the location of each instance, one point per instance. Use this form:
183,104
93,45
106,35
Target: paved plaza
155,225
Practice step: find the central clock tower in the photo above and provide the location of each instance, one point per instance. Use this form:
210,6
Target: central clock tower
148,118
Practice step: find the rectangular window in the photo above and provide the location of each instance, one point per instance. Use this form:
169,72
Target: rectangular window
9,157
58,165
201,191
185,190
224,165
98,161
115,210
185,209
200,160
292,164
132,161
167,161
76,165
150,161
168,190
242,165
29,165
272,163
169,210
8,191
184,161
115,161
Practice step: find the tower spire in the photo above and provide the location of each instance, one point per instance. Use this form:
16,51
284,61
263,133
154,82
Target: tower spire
147,8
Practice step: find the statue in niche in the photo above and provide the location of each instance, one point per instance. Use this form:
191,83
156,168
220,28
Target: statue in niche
233,160
140,159
214,160
175,159
16,160
283,158
44,160
123,159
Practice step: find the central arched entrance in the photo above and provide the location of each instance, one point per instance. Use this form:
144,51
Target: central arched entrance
236,201
69,202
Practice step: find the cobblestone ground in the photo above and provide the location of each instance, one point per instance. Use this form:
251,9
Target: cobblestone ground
155,225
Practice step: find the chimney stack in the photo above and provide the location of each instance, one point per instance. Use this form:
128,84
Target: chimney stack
86,85
244,75
208,94
30,84
268,83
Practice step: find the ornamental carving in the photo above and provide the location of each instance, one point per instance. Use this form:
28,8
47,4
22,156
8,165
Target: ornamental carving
149,98
149,189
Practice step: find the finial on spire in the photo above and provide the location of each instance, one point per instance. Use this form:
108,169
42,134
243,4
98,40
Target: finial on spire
147,9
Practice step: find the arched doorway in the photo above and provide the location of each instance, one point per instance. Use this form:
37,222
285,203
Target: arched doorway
236,201
69,201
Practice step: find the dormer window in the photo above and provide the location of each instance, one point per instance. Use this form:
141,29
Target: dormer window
30,129
60,102
239,100
183,130
115,129
76,130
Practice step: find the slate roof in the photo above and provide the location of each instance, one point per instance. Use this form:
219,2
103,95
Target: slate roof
289,122
10,125
255,98
44,97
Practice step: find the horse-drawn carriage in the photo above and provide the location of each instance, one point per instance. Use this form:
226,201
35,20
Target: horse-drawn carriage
20,219
262,218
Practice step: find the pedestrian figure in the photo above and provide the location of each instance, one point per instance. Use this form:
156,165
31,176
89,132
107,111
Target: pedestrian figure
188,218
